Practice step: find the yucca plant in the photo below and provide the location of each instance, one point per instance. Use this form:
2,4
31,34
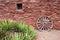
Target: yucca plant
31,32
21,26
28,30
20,30
7,38
3,28
6,25
14,36
10,24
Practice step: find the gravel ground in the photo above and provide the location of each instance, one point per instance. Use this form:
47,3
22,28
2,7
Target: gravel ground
51,35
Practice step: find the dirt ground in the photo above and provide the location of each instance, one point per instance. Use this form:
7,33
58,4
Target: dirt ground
51,35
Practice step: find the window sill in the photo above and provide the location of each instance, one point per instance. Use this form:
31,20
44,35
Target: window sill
20,11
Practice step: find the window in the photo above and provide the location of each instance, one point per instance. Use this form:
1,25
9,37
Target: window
19,6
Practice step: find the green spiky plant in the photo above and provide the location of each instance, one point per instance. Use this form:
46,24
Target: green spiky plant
21,31
28,30
5,25
21,26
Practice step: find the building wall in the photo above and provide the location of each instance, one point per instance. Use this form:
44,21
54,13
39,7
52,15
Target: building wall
32,9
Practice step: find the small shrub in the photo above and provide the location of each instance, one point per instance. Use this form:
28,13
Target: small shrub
21,31
3,27
21,26
6,25
28,30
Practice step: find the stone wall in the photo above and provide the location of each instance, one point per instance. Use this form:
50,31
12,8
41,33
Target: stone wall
32,9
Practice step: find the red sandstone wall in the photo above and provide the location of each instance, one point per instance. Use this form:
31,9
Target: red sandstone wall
32,9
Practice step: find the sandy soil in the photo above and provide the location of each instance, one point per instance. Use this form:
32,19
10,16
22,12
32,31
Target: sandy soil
51,35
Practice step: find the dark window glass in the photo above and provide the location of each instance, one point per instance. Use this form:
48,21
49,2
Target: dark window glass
19,6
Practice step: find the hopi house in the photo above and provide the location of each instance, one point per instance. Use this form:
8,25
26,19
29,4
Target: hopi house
30,10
